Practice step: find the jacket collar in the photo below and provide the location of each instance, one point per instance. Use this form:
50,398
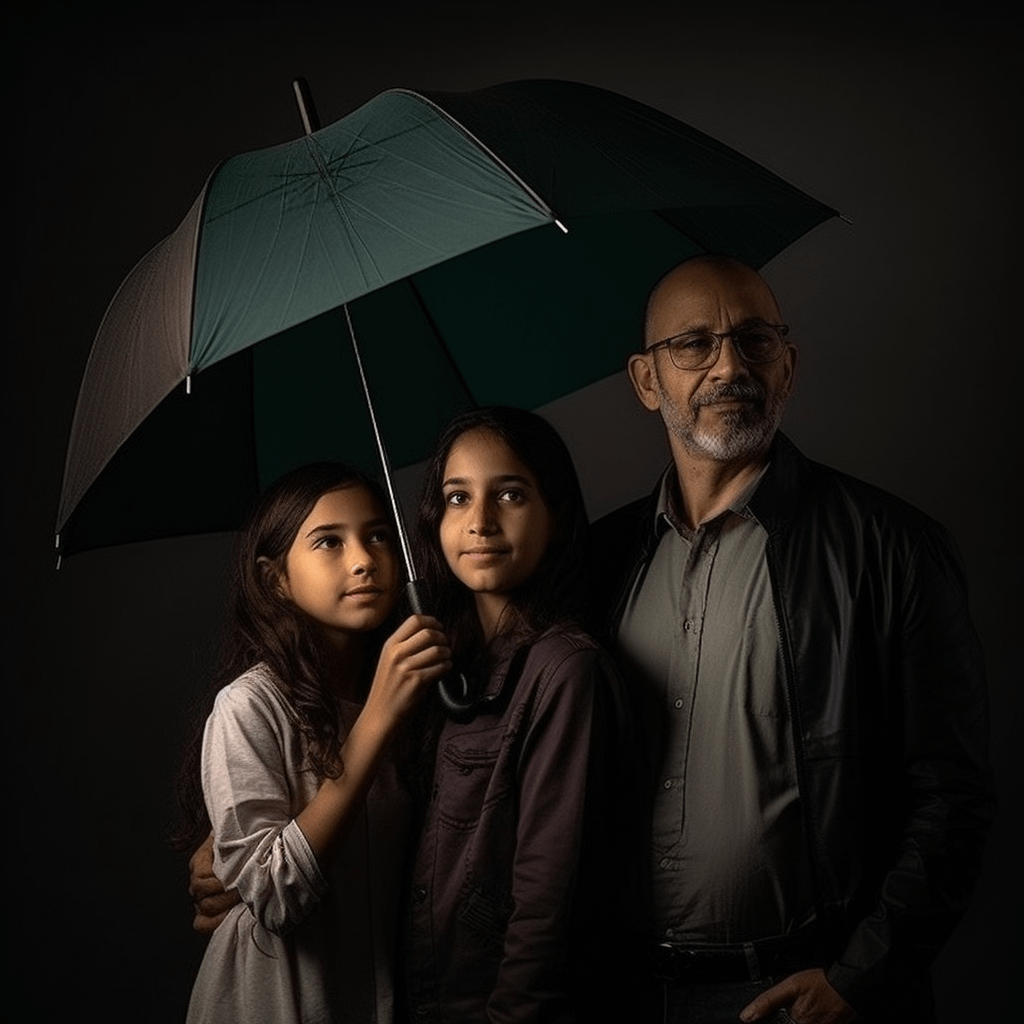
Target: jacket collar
502,662
773,501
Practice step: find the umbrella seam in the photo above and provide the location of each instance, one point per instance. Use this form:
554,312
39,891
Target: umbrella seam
191,369
530,191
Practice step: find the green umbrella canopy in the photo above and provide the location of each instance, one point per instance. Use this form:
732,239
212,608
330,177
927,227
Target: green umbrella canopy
491,247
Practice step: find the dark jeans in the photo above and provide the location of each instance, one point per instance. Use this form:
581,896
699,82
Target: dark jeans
712,984
710,1004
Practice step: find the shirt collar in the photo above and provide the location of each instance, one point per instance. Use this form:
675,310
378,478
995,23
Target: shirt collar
666,514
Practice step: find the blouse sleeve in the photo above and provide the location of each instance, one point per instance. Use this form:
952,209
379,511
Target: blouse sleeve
249,789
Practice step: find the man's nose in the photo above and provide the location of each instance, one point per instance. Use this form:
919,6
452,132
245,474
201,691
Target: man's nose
729,365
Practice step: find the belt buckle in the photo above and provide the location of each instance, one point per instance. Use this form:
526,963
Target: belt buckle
671,962
665,958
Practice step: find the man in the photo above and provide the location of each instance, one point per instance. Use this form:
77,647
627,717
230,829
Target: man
809,684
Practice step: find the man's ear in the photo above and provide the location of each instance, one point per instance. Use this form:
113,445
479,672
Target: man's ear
790,355
274,578
641,376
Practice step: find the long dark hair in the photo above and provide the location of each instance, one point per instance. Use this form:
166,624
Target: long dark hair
554,593
266,627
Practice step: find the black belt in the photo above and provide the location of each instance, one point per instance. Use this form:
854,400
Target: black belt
754,961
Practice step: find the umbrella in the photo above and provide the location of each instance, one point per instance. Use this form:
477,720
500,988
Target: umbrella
489,247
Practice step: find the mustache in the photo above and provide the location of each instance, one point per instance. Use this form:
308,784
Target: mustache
742,390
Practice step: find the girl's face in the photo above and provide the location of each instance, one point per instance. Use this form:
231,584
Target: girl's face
341,569
496,525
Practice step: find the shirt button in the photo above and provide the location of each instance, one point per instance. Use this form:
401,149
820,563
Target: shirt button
687,625
667,783
419,894
679,702
664,864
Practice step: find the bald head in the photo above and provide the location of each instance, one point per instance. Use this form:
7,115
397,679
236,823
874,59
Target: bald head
693,295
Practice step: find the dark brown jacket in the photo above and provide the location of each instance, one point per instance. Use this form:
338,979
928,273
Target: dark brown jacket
517,869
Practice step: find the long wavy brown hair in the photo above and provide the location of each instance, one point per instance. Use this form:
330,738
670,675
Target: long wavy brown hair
266,627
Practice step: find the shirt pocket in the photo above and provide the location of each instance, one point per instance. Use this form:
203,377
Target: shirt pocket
469,778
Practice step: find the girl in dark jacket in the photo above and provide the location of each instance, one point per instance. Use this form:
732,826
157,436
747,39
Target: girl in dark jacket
518,826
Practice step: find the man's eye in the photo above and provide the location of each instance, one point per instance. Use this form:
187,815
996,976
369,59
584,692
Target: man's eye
753,336
755,342
694,343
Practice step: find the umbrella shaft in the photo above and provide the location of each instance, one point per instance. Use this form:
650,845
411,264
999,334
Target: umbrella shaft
403,539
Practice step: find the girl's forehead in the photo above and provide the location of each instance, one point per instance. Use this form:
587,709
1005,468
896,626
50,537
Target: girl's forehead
483,453
348,502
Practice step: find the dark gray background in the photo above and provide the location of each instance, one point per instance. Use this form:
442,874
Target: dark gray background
903,118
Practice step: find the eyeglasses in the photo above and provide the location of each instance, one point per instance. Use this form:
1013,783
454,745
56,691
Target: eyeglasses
697,350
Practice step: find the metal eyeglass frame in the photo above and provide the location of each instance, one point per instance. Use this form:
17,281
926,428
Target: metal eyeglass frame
782,330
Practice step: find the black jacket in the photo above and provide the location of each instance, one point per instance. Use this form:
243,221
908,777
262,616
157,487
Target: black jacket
887,696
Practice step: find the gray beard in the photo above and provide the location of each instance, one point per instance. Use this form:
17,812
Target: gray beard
743,432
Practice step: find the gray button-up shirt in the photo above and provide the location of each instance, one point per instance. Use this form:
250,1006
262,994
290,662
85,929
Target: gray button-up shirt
728,855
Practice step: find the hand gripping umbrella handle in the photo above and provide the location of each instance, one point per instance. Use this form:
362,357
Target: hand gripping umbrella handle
453,692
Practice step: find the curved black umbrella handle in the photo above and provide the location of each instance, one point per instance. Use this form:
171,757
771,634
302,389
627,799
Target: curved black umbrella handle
454,692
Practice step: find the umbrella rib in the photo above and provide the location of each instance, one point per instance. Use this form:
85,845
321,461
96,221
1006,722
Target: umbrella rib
326,179
693,235
323,169
439,338
487,151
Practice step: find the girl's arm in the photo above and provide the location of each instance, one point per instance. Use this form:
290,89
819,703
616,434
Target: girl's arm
251,767
415,655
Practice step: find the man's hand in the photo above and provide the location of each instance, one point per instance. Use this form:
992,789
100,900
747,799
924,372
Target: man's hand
806,996
210,899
